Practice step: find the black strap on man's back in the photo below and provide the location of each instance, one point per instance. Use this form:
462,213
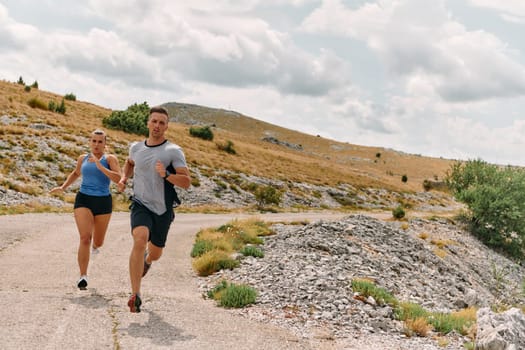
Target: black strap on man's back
170,195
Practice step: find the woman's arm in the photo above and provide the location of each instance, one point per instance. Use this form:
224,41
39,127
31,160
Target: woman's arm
114,167
72,177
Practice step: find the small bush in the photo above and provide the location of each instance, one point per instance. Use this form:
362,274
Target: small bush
59,108
201,247
237,296
27,88
227,147
232,295
20,81
213,261
407,311
404,178
418,326
398,212
217,290
250,250
36,103
267,195
204,132
70,97
35,85
367,288
133,120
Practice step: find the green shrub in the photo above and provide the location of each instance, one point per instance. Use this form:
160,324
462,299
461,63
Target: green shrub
496,199
215,292
251,250
201,247
415,316
27,88
35,85
61,108
237,296
398,212
53,107
70,97
405,311
204,132
133,120
232,295
228,264
227,147
267,195
20,81
367,288
404,178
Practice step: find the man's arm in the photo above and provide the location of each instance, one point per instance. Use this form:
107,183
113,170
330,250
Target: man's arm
181,177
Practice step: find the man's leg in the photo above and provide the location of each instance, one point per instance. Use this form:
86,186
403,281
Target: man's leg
136,259
136,265
154,253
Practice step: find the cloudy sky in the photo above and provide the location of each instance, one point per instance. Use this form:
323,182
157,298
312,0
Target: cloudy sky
442,78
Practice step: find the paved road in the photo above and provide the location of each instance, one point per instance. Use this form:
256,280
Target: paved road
41,308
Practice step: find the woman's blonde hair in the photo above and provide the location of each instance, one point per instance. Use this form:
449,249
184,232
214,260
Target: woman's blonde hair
100,132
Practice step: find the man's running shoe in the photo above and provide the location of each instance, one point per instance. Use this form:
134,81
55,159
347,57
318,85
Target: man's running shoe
82,283
134,303
146,265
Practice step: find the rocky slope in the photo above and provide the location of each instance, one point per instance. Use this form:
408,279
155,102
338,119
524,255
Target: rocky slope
304,279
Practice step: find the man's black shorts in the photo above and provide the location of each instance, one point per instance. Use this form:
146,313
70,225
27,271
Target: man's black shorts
99,205
158,225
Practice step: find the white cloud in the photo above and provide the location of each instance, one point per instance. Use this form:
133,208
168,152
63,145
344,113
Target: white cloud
510,10
403,74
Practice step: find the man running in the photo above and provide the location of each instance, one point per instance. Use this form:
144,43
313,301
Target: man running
152,213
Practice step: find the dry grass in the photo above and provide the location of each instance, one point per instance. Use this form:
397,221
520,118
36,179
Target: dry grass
418,326
210,262
423,235
442,243
440,252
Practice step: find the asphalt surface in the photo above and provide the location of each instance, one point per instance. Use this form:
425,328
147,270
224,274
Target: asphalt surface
41,308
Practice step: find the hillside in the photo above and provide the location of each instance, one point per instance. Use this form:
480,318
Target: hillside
39,149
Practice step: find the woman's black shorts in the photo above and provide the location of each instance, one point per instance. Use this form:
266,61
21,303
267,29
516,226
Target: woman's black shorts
98,205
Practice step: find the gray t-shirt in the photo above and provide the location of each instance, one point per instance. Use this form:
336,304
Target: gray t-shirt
148,186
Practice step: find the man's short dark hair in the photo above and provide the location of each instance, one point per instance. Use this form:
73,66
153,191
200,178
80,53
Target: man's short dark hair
159,109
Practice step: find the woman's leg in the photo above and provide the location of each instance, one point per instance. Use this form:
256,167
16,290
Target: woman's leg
85,222
101,227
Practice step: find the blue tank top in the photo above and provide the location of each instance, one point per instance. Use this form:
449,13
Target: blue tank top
94,182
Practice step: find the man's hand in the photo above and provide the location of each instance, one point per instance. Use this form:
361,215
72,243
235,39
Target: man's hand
159,167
